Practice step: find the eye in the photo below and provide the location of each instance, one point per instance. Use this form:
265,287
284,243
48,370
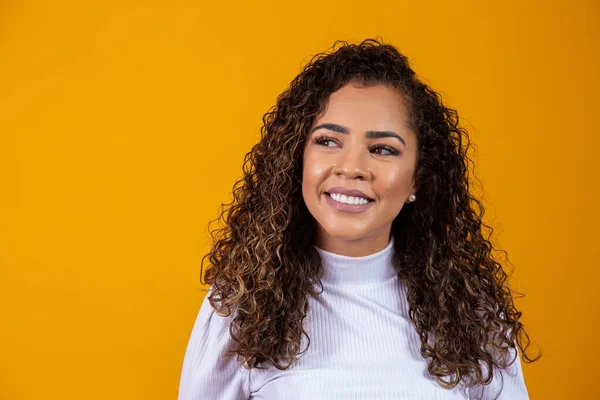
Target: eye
390,150
322,140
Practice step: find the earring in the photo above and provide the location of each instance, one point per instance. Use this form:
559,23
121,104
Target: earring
412,197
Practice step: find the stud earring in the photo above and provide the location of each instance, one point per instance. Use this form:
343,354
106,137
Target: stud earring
412,197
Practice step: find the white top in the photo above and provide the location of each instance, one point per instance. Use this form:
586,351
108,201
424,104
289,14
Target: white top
363,346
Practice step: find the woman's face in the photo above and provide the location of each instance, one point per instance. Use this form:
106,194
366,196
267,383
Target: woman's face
361,141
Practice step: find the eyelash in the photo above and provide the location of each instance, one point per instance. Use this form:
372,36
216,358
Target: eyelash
320,139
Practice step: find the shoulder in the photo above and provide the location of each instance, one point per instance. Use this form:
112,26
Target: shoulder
208,370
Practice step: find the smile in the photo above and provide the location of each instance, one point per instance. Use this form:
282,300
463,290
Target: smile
348,203
348,199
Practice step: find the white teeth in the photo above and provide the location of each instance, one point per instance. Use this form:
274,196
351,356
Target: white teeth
342,198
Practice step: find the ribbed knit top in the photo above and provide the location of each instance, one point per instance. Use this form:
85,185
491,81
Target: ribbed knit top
365,270
363,345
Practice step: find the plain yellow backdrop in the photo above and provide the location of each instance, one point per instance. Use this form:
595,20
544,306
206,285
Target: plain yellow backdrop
123,126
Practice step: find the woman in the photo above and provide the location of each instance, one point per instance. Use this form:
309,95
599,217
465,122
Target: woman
352,262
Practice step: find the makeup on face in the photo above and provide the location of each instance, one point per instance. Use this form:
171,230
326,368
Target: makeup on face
358,164
347,203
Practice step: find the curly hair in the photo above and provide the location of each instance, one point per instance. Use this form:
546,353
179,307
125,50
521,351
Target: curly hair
264,265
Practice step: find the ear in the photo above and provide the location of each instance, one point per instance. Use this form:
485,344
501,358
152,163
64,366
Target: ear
413,186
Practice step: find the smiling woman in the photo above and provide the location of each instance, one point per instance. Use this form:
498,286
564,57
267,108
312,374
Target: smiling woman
353,262
344,153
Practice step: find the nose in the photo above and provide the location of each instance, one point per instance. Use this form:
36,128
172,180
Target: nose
352,165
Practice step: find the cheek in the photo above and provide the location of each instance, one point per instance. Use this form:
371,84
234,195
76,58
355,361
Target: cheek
313,169
396,184
309,179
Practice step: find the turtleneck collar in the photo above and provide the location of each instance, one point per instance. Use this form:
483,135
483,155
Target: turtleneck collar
373,268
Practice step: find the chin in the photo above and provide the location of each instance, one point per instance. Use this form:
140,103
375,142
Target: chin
344,232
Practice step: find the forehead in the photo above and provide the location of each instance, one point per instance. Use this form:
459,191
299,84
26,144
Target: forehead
367,107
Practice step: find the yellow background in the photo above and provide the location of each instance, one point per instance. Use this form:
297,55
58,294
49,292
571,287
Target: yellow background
123,126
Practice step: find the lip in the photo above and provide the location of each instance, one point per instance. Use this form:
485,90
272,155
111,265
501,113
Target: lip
348,192
353,208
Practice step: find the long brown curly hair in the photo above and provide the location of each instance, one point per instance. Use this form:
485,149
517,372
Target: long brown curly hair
263,263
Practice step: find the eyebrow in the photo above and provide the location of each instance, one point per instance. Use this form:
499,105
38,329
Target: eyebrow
368,134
